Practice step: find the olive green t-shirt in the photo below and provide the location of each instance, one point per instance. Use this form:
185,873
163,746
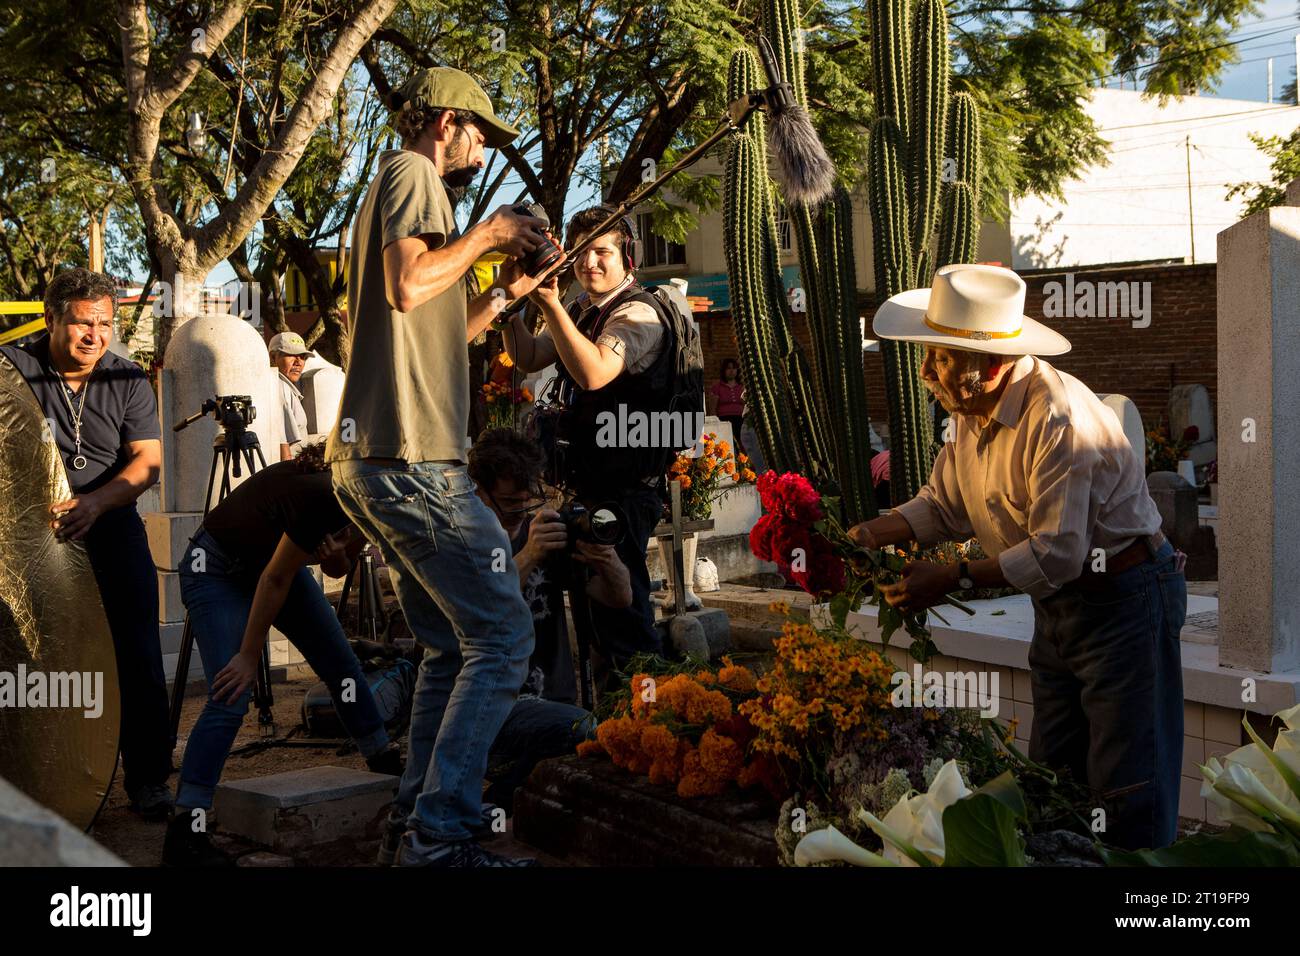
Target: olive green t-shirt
407,389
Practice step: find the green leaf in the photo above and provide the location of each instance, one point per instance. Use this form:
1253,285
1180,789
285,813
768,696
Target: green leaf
980,830
841,604
1233,847
922,649
890,621
1004,789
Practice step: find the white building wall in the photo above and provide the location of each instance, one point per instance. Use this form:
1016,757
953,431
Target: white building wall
1136,208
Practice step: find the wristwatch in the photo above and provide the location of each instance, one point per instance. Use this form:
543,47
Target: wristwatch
964,580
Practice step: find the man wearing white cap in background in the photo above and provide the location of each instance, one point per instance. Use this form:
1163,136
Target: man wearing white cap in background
1040,472
289,354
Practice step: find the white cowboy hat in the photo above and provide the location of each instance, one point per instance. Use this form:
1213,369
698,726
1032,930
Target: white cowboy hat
975,308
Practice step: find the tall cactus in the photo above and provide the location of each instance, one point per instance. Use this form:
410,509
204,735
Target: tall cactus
745,204
923,173
833,390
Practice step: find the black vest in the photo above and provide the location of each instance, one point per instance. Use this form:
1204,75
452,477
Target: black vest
605,454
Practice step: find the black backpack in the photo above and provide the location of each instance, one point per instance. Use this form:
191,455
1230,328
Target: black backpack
673,383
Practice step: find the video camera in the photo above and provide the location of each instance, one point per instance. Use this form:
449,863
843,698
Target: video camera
234,413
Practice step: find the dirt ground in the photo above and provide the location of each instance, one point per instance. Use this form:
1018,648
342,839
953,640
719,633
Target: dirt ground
139,843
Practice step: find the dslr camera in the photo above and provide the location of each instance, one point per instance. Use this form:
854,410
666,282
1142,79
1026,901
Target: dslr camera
545,255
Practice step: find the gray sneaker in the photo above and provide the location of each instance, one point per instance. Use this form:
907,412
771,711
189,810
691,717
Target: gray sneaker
395,827
416,850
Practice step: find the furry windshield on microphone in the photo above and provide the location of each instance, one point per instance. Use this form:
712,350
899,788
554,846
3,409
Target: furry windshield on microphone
803,169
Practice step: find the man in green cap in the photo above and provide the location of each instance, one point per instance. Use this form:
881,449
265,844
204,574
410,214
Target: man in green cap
398,451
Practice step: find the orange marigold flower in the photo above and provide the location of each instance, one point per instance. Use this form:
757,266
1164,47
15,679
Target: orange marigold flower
719,756
590,748
737,678
686,482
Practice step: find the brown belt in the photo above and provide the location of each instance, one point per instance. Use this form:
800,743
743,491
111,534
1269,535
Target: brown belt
1140,550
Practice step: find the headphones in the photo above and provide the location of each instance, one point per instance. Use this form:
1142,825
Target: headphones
632,245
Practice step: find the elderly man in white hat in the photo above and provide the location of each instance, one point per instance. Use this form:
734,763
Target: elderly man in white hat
289,354
1040,472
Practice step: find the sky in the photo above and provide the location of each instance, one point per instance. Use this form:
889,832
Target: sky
1244,80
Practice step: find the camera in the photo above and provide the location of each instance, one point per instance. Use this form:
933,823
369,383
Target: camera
544,255
603,524
234,413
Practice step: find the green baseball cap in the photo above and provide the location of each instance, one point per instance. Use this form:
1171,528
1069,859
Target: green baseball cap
454,90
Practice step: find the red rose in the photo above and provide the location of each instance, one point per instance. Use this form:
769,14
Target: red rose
760,536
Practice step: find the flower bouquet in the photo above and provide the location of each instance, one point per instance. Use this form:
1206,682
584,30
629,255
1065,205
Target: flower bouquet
803,533
502,402
709,477
683,730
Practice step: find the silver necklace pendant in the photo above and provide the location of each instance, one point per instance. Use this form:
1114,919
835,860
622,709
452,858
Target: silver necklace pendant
78,463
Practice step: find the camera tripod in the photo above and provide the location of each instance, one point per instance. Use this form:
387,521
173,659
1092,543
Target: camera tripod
233,446
370,605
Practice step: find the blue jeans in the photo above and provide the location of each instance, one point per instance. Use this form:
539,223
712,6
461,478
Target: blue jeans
218,594
535,730
450,562
1107,680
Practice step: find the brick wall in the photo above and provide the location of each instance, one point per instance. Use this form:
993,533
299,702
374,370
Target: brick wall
1179,347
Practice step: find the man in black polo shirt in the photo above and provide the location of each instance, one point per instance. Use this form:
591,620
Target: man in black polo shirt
101,410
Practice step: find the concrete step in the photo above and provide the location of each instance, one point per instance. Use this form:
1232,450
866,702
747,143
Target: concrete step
292,811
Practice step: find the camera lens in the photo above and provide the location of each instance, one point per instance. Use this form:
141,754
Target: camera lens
605,526
544,255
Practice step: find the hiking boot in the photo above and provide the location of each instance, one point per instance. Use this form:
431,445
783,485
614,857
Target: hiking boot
183,847
153,802
416,850
395,827
388,760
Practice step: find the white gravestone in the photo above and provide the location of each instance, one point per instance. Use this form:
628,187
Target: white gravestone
322,391
1190,405
209,356
1131,421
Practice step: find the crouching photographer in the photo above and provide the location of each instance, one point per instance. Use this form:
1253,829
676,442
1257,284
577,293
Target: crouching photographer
244,570
543,722
630,393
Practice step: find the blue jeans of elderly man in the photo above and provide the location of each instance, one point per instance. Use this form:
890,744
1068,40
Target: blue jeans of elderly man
1040,472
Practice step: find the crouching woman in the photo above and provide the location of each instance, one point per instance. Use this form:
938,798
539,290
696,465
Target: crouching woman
245,569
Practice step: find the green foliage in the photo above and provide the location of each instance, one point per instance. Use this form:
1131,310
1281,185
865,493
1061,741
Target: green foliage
1284,156
982,829
1232,847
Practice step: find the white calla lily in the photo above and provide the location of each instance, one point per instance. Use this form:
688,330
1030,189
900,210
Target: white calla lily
1255,784
913,830
829,844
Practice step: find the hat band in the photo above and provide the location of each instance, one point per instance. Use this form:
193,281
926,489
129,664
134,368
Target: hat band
971,333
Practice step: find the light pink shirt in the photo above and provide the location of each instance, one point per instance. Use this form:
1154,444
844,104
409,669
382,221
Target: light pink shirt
1050,478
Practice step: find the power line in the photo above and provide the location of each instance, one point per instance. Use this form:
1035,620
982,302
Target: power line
1170,59
1197,119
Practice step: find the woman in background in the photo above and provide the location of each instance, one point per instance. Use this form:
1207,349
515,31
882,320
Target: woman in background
726,399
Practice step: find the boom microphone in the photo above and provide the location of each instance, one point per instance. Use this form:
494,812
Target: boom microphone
805,172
